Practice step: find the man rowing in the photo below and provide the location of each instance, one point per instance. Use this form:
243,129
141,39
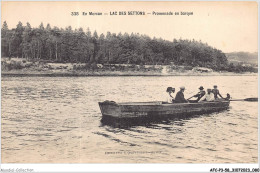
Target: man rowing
200,94
216,93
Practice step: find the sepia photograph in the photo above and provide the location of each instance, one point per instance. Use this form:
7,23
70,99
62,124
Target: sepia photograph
171,82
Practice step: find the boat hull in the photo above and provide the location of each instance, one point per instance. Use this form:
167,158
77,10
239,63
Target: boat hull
158,109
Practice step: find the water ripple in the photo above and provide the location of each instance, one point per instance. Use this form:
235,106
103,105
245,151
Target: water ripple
57,120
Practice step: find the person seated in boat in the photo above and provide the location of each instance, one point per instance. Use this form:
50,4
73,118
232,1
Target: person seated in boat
180,96
209,96
200,94
169,96
216,93
228,97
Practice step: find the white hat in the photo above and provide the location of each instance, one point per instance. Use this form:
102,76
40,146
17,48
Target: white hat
182,88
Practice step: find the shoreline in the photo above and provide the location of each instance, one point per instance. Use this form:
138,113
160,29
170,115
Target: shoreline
22,73
22,68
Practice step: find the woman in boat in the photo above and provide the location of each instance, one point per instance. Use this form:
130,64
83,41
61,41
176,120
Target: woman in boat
180,96
209,96
169,96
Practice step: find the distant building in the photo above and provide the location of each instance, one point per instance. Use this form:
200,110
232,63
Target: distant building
246,65
99,65
202,69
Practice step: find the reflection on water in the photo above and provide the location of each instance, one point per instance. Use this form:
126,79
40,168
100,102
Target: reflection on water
57,120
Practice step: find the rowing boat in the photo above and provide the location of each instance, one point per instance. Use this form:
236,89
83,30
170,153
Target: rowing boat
159,109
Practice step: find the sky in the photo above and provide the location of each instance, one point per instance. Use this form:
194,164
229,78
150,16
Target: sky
228,26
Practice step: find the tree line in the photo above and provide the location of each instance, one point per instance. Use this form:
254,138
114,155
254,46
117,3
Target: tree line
55,44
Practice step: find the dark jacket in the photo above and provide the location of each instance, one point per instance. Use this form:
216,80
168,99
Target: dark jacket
180,98
200,94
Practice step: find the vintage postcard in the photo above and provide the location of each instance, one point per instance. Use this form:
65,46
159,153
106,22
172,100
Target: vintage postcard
129,82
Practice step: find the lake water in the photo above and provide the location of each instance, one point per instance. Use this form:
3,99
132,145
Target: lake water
57,120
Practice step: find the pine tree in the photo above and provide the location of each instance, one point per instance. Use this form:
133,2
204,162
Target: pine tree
5,40
16,40
26,41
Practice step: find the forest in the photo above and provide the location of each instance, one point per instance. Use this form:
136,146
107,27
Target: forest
53,44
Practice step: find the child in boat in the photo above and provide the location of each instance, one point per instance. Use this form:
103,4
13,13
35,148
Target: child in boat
209,96
169,96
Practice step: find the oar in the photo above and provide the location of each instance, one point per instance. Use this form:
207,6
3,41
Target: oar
253,99
190,98
196,95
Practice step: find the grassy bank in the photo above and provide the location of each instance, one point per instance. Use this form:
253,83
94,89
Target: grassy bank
22,67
